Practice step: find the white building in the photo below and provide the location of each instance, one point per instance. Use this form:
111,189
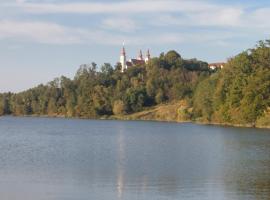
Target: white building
123,60
133,62
214,66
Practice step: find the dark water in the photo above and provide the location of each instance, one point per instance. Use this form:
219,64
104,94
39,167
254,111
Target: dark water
64,159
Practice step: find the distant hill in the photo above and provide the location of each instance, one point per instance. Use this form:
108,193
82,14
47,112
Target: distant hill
168,88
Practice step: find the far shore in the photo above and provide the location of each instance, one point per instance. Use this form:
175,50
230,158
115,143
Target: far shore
128,118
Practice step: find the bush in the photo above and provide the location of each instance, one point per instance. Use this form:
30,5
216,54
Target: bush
118,107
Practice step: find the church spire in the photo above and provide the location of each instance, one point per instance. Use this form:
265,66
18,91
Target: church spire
140,57
148,56
123,59
123,52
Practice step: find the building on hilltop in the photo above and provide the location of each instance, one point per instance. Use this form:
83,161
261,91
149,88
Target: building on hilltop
123,59
214,66
133,61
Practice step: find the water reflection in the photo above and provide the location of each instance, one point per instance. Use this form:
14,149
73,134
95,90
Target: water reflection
60,159
136,181
120,161
248,172
204,164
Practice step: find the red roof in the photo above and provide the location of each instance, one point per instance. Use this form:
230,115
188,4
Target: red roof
137,62
129,64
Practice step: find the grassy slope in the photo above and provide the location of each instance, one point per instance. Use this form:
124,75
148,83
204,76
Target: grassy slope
162,112
169,112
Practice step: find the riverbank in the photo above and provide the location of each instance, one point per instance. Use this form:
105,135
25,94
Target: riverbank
170,112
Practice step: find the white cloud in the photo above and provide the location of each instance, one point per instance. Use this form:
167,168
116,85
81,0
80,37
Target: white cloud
127,7
236,19
120,15
191,12
221,17
226,17
51,33
259,18
120,24
41,32
20,1
176,14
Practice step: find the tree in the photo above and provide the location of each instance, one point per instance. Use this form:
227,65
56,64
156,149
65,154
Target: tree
118,107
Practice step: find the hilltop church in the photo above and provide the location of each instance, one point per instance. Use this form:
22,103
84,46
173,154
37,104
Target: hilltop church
133,62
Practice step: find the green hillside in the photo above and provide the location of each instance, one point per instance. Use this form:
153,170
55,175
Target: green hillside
168,88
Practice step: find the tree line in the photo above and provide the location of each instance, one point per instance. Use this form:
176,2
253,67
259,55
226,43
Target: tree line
239,93
93,93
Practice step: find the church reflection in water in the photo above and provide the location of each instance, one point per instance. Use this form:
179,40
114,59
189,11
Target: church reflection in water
122,165
120,162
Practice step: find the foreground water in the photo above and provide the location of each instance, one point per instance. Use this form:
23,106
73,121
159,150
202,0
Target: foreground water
65,159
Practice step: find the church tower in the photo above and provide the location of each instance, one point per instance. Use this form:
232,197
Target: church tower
148,57
140,56
123,59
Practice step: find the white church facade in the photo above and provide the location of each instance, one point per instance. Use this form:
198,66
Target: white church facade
134,61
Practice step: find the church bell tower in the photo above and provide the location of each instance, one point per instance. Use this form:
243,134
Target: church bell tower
148,57
123,59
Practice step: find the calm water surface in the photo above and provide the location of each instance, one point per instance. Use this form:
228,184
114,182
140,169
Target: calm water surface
67,159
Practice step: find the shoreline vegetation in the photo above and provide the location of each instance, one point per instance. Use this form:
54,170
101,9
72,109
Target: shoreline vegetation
155,114
132,118
168,88
147,115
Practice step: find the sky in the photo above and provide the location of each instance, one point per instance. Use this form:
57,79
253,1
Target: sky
44,39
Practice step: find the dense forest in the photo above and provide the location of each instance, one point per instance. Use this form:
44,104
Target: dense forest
93,93
237,94
240,93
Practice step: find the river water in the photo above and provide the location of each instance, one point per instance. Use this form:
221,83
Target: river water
71,159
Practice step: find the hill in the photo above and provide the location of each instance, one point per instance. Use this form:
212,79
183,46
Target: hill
168,88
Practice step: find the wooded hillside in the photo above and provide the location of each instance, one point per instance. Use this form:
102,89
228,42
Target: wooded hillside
237,94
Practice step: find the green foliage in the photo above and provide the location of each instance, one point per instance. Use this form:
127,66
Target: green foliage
203,98
240,93
94,93
118,107
5,104
264,120
135,99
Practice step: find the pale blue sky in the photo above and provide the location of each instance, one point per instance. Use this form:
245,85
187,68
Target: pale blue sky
44,39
